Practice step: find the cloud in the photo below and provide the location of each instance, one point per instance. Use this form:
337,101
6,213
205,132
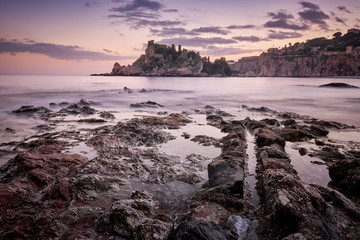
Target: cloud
139,5
165,32
343,8
54,51
309,5
313,14
281,19
317,17
135,15
247,39
282,14
283,35
241,26
216,30
284,24
339,20
170,10
198,41
221,51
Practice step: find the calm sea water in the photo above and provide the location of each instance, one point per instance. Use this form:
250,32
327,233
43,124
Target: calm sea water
301,95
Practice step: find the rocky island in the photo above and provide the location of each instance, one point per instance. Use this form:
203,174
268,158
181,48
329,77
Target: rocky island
163,60
319,57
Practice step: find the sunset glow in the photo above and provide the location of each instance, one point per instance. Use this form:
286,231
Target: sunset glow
83,37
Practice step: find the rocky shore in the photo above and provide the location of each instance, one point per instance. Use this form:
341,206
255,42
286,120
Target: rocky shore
115,179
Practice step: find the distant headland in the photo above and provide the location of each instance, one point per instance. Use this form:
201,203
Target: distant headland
319,57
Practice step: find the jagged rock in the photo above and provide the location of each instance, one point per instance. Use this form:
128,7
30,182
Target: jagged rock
338,85
202,231
148,104
345,175
206,141
318,130
30,110
91,120
107,115
293,135
267,137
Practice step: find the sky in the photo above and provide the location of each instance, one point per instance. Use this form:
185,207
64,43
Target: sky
79,37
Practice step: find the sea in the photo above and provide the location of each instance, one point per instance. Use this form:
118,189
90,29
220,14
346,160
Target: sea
177,95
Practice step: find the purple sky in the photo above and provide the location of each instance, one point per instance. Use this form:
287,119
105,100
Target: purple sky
86,36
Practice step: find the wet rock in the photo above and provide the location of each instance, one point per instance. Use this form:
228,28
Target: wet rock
52,105
87,110
107,115
91,120
260,109
186,135
303,151
84,102
329,153
228,168
10,130
319,142
267,137
206,141
269,154
64,104
293,206
293,135
296,236
45,127
253,124
148,104
209,107
318,130
338,85
202,231
31,110
345,175
134,219
143,90
289,122
272,122
329,124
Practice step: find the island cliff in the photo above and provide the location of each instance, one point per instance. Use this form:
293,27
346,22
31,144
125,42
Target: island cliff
319,57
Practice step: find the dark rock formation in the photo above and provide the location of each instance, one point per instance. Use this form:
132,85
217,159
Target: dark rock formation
148,104
338,85
345,175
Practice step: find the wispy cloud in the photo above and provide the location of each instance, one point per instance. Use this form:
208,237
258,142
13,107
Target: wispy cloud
247,39
166,32
309,5
198,41
216,30
53,51
241,26
340,20
137,5
343,8
222,51
279,35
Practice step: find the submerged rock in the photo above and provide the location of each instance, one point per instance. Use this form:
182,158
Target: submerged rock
148,104
31,109
338,85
